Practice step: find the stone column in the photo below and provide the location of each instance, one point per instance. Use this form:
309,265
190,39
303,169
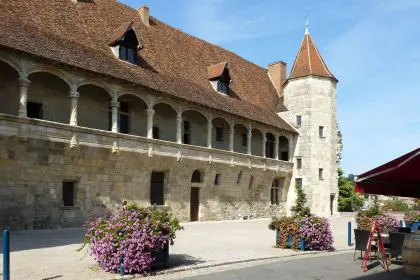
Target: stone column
115,105
231,135
23,98
150,113
264,141
179,127
276,146
74,97
209,132
249,140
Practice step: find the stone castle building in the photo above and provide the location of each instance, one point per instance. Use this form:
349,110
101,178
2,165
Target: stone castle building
101,103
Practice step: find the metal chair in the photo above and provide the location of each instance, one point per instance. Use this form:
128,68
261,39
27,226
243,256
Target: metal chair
362,238
396,240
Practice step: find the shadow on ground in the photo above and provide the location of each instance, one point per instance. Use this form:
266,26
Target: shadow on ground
38,239
393,274
177,260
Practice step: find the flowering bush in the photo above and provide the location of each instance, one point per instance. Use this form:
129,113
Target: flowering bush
314,230
411,217
364,220
132,236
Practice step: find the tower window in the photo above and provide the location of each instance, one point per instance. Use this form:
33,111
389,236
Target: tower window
299,163
69,194
35,110
244,139
219,134
298,120
321,174
298,182
321,132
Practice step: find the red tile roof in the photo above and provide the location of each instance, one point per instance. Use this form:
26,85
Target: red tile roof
308,61
215,71
174,63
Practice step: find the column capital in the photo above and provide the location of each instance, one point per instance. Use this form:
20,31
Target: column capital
114,103
23,82
74,94
150,111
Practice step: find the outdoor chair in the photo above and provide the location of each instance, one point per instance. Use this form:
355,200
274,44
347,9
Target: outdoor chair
396,244
362,239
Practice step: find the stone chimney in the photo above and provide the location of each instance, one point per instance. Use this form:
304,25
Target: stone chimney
277,73
144,14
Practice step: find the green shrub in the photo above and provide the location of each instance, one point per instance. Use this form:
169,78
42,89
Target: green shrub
395,205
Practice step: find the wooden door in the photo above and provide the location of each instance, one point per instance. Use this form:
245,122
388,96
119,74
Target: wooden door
194,203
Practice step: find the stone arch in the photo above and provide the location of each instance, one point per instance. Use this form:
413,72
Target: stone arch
94,107
240,139
220,133
9,88
53,72
132,117
12,64
48,96
97,84
197,176
269,145
283,148
194,128
257,142
164,121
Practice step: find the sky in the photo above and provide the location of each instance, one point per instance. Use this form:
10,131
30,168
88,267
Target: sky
371,46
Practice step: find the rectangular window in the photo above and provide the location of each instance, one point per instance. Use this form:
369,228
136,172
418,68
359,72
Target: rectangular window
157,188
124,118
222,87
274,196
217,179
69,194
155,132
298,182
299,163
251,182
244,139
321,174
321,132
187,132
298,120
239,177
34,110
219,134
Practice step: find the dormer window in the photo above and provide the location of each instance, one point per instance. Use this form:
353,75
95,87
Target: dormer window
125,43
219,77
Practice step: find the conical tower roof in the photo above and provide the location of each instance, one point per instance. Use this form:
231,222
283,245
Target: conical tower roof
308,61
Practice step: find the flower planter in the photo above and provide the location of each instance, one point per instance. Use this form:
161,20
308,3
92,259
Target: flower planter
161,256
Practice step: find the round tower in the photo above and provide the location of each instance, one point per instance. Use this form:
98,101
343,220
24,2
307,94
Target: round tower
309,96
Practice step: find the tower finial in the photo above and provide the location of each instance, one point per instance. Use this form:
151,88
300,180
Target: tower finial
307,27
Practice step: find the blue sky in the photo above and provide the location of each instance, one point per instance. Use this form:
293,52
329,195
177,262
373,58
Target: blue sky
372,47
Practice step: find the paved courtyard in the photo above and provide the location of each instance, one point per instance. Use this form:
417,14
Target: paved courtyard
51,254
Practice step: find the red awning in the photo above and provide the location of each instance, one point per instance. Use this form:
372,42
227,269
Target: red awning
399,177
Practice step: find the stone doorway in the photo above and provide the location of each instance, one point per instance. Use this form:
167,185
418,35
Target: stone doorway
194,203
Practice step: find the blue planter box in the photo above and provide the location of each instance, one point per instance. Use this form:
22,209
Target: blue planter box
415,226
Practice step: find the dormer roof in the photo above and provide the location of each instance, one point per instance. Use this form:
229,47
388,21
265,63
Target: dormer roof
120,32
309,62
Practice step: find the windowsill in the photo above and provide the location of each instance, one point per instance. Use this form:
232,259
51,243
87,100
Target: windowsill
69,207
322,137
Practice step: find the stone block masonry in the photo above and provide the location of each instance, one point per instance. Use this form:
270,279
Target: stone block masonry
32,172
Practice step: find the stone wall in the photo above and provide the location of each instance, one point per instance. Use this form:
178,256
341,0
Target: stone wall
32,173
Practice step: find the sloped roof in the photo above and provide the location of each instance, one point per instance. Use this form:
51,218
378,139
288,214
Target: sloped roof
308,61
79,35
121,31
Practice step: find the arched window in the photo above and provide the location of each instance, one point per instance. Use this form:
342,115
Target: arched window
283,148
196,177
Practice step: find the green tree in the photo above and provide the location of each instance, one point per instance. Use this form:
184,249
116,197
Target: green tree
395,205
300,208
348,199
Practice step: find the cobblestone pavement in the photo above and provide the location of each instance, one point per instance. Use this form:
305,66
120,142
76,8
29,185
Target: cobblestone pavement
51,254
